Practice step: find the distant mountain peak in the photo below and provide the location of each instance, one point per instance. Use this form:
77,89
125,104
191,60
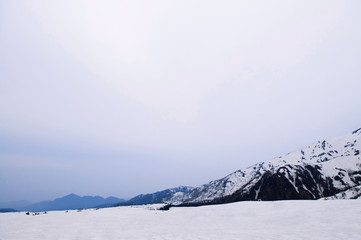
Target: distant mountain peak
71,195
71,201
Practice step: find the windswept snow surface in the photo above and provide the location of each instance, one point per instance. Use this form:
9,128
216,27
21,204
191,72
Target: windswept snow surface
337,219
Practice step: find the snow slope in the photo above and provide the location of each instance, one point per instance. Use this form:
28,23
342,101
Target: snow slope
352,193
338,219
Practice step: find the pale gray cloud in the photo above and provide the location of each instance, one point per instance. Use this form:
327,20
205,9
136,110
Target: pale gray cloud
180,92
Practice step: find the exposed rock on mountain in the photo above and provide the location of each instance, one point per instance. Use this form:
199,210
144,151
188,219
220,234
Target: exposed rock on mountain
352,193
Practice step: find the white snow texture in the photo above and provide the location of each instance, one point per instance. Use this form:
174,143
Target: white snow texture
337,219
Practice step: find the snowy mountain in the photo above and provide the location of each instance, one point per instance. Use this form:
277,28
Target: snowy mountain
323,169
177,193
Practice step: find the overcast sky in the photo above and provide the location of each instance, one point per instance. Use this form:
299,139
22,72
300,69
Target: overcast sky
128,97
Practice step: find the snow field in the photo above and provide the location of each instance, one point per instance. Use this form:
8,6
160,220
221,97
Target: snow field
336,219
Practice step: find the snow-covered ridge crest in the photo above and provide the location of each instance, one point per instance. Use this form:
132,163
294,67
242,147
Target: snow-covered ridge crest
319,170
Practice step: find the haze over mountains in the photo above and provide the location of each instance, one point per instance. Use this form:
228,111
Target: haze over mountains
15,204
329,169
69,202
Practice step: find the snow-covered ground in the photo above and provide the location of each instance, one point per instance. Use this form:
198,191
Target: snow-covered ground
334,219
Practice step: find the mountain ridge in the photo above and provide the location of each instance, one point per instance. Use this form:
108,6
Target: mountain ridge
319,170
70,202
157,197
